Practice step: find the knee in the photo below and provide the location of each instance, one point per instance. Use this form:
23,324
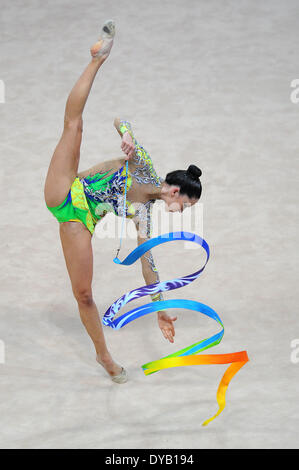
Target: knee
83,296
73,124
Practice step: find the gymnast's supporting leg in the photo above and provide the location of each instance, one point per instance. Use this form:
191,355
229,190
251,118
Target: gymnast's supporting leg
77,249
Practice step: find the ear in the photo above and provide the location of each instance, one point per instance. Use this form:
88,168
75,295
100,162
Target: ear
175,190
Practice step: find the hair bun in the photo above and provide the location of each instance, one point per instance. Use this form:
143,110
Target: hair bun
194,172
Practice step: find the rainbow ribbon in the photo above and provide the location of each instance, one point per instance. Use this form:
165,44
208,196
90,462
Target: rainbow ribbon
189,355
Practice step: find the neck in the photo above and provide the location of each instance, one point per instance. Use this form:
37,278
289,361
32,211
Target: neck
158,191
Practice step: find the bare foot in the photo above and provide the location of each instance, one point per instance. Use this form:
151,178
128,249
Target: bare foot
101,49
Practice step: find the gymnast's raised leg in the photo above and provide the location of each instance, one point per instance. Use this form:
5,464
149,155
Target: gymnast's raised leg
75,237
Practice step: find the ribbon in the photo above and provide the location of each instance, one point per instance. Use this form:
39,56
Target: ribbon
189,355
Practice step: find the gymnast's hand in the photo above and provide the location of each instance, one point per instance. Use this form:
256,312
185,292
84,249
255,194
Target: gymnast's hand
127,146
166,325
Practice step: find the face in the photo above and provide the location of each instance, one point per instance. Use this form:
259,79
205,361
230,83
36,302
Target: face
176,202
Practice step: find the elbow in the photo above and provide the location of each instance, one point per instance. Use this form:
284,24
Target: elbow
117,122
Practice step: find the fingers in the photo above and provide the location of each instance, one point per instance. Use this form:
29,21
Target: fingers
168,334
167,327
128,149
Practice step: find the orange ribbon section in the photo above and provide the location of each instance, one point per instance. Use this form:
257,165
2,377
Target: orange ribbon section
237,360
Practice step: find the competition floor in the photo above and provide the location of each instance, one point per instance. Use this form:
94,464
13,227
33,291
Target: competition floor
201,82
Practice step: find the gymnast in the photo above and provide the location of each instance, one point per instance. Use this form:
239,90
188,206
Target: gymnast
80,200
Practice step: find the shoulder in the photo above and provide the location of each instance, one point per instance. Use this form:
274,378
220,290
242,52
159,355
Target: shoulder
143,170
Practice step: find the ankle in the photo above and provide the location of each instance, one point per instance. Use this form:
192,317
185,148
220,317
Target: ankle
104,358
97,61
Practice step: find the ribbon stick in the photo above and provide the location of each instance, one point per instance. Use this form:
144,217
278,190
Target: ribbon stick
189,355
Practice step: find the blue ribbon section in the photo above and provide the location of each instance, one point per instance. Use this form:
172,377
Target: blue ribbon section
117,323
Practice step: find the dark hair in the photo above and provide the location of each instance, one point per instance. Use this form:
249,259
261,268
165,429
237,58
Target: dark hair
187,180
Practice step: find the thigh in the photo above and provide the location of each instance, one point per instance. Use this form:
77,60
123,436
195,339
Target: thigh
64,164
77,250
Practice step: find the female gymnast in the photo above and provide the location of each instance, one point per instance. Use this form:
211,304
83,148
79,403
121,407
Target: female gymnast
80,200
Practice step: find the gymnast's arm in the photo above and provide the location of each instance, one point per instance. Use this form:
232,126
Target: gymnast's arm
123,126
151,276
117,124
136,154
149,270
129,143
